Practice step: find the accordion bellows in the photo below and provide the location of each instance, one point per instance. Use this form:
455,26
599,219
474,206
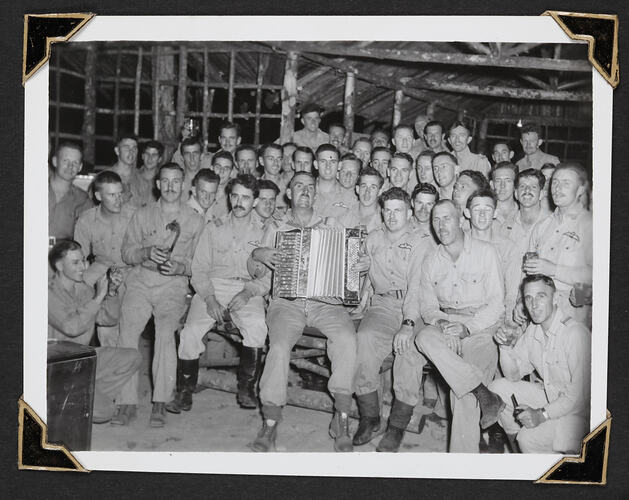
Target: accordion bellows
317,263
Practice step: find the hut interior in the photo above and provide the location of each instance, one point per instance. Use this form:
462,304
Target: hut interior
100,90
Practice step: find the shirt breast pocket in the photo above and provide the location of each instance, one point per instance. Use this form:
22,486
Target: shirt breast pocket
558,372
473,283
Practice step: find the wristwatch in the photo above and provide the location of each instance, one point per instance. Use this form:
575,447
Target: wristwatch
408,322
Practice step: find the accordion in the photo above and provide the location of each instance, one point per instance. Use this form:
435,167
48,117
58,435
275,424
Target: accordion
317,263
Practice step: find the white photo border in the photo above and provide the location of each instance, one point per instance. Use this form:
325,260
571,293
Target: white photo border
312,28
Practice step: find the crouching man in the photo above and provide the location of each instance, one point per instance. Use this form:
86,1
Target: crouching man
552,415
74,308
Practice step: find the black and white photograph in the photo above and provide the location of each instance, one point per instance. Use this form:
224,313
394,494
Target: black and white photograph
338,247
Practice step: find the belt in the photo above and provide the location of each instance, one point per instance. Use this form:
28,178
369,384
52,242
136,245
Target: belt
398,294
469,311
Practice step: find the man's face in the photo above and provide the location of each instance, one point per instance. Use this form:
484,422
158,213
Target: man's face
242,201
381,161
311,121
272,161
396,215
191,157
303,162
528,192
565,187
362,149
205,193
72,266
504,183
445,222
434,137
368,189
127,152
459,138
170,184
302,191
110,197
424,170
530,142
287,162
223,168
151,158
246,160
501,153
379,140
348,174
463,188
481,212
399,172
68,163
444,170
337,134
403,140
539,300
327,164
229,139
422,206
266,203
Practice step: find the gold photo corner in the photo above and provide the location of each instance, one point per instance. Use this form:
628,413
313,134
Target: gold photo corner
611,75
36,49
57,454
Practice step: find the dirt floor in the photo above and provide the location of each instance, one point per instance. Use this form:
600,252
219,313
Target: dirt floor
216,423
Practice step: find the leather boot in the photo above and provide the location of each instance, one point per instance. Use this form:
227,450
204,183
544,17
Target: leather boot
399,418
249,371
339,430
265,440
369,424
491,405
187,376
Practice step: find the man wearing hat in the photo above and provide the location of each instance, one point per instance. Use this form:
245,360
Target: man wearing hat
311,135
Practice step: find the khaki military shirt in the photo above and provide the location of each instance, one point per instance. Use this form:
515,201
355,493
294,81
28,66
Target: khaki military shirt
471,161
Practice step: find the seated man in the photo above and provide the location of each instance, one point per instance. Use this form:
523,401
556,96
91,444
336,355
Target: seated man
286,320
395,254
73,310
461,299
552,415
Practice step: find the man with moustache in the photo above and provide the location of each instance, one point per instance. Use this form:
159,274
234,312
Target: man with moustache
142,182
126,150
461,300
159,243
223,285
229,137
311,135
435,137
380,159
303,159
204,189
286,320
503,184
459,137
246,158
332,199
533,156
445,169
367,212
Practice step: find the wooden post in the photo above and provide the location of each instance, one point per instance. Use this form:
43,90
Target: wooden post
117,95
167,133
206,82
88,129
136,107
182,86
348,105
263,64
461,115
210,103
58,99
430,110
397,107
289,98
154,67
230,90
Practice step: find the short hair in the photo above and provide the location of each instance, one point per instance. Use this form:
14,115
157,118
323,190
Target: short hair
222,154
153,145
370,171
351,157
531,172
477,178
427,153
402,126
427,188
338,125
576,167
207,175
296,174
268,184
60,250
126,135
433,123
533,278
481,193
190,141
270,145
361,139
304,149
445,201
327,147
225,125
548,165
403,156
379,130
247,181
530,128
106,177
395,193
448,154
504,164
170,166
506,143
380,149
288,145
245,147
460,123
69,145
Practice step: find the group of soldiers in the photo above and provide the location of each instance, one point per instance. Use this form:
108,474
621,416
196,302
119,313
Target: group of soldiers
482,269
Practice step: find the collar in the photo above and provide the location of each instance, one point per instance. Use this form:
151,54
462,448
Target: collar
556,325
